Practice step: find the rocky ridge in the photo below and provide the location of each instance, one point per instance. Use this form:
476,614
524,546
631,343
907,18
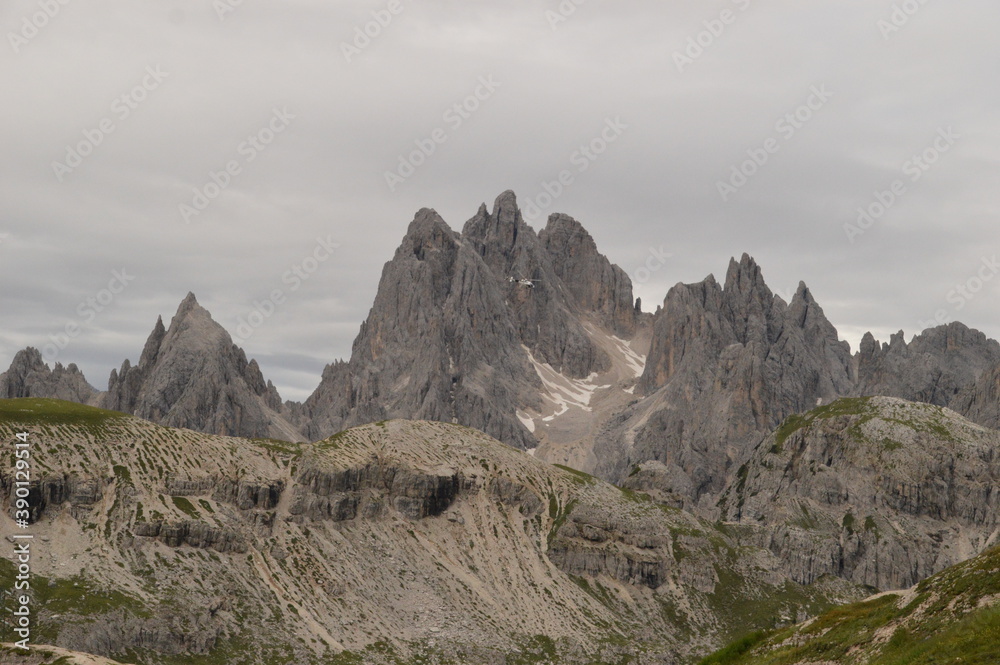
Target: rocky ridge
879,491
566,364
390,541
29,376
472,327
729,363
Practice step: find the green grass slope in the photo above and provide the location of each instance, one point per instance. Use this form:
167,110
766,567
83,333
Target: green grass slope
952,617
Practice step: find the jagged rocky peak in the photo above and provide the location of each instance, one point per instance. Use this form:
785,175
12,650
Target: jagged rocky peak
427,232
505,242
29,376
934,367
446,337
596,284
699,320
727,364
192,375
745,291
438,344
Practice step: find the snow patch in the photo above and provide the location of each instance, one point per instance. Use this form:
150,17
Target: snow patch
564,392
526,420
531,451
636,361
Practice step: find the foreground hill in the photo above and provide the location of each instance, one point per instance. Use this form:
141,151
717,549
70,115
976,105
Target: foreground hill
394,542
878,490
952,617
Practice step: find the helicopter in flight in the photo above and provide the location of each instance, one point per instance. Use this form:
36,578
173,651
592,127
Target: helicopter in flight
521,281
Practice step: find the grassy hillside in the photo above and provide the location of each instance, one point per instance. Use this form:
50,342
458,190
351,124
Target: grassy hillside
952,617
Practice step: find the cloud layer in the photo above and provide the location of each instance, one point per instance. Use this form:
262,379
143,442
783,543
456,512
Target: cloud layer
215,146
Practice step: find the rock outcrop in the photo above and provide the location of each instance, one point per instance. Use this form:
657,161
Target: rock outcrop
192,375
29,376
980,402
879,491
437,345
596,285
933,368
727,364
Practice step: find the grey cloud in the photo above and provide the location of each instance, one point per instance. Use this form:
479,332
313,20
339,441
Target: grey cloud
325,175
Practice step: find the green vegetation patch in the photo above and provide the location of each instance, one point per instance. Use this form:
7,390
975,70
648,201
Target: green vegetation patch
278,446
945,623
579,477
847,406
30,411
186,507
123,475
735,651
74,599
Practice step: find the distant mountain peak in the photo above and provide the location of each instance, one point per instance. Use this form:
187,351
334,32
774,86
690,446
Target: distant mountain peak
29,376
192,375
745,276
505,208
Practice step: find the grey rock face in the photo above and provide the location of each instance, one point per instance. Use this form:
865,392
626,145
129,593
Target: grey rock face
595,283
933,368
878,491
446,337
193,534
192,375
81,492
29,376
546,317
727,365
980,402
437,345
344,494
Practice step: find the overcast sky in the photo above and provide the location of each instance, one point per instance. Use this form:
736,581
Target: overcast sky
115,113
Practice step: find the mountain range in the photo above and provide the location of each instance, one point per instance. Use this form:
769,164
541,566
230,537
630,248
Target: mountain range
670,480
536,340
